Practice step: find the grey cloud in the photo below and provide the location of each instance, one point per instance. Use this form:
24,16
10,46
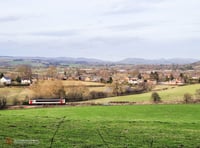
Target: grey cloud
111,31
60,33
124,11
130,26
9,19
132,6
114,40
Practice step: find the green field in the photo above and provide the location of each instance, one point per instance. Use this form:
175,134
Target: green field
171,95
102,126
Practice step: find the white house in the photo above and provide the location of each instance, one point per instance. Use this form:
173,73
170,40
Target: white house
5,80
25,81
135,82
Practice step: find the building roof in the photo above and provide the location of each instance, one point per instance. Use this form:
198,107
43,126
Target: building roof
7,78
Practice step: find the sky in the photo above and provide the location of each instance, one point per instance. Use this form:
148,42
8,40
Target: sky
104,29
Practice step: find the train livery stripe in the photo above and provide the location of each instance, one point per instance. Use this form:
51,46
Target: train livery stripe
47,101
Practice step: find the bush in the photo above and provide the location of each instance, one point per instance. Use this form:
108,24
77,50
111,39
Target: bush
26,101
96,95
155,97
187,98
77,93
15,101
3,102
197,94
48,89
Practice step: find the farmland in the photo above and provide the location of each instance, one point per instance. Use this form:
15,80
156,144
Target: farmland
15,92
102,126
169,95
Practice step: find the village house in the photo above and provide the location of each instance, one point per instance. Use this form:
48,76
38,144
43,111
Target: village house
87,79
5,80
135,81
96,79
25,81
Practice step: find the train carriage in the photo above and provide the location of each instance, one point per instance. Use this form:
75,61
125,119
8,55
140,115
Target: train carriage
47,101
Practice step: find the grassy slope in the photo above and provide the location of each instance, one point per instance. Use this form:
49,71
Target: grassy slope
105,126
15,92
69,83
172,94
93,86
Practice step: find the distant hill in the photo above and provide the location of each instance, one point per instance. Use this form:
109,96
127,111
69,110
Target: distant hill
196,65
158,61
45,61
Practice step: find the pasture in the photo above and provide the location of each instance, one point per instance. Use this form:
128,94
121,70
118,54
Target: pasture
102,126
15,92
170,95
77,83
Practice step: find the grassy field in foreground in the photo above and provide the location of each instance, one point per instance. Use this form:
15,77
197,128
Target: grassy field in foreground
169,95
102,126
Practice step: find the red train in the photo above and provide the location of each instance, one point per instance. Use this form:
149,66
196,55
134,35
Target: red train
47,101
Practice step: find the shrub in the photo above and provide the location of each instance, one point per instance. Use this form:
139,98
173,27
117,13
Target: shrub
197,94
96,95
26,100
155,97
18,79
77,93
15,101
146,86
187,98
3,102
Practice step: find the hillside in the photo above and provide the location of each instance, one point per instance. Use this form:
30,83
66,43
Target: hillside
169,95
196,65
158,61
65,61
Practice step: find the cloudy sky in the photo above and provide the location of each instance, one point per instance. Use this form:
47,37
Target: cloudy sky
103,29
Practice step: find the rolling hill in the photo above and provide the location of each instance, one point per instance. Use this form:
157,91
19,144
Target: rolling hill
45,61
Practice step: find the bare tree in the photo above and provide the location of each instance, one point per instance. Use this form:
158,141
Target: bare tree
134,73
117,87
77,93
24,71
51,72
48,89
